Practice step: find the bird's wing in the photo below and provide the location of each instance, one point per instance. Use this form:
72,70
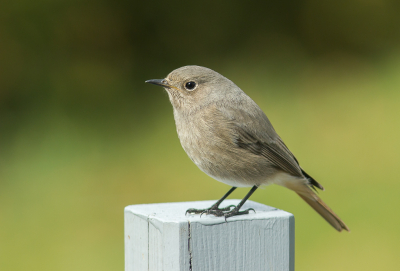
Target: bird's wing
252,131
274,150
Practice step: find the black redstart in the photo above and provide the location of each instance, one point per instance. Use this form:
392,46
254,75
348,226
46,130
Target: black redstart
226,134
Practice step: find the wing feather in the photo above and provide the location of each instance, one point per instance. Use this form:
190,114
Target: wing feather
252,131
280,157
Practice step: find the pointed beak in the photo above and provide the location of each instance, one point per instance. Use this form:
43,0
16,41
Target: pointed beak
159,82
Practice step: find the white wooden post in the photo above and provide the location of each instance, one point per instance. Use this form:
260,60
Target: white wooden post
161,237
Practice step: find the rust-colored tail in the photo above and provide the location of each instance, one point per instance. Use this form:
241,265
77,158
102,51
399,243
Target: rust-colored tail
318,205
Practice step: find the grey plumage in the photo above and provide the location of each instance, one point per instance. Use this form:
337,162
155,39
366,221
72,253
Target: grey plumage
228,136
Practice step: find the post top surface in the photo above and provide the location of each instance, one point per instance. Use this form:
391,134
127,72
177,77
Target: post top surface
175,211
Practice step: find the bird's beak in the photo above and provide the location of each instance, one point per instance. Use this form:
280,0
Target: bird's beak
159,82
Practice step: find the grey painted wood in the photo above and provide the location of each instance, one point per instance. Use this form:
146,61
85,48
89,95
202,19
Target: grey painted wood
161,237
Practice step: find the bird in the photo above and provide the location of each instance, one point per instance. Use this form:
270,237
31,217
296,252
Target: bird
227,135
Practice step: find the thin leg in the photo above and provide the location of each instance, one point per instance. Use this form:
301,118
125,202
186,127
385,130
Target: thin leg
235,211
225,196
214,208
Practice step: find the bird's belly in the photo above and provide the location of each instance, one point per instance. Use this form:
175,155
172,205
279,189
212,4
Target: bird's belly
213,150
231,165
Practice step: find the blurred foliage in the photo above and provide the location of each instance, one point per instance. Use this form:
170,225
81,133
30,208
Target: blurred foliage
82,136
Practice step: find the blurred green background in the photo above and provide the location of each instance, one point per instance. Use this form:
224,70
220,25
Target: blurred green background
82,136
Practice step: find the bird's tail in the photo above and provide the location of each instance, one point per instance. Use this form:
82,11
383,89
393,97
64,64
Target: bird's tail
304,188
318,205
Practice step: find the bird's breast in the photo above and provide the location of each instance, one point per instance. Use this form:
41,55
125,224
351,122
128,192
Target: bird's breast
209,143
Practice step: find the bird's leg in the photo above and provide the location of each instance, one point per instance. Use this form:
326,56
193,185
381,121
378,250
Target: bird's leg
214,209
235,210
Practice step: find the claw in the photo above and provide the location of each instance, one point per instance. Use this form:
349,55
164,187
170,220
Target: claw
204,211
228,208
214,210
191,210
235,212
225,212
251,209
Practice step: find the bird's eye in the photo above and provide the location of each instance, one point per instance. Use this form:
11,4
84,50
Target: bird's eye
190,85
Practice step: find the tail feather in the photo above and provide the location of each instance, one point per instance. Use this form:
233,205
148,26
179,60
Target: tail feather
304,188
318,205
313,183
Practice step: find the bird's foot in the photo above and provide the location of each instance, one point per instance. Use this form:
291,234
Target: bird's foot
219,212
236,212
212,210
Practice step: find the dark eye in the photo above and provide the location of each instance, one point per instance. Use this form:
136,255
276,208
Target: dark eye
190,85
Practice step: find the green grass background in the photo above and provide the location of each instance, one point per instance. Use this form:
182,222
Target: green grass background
82,136
65,184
